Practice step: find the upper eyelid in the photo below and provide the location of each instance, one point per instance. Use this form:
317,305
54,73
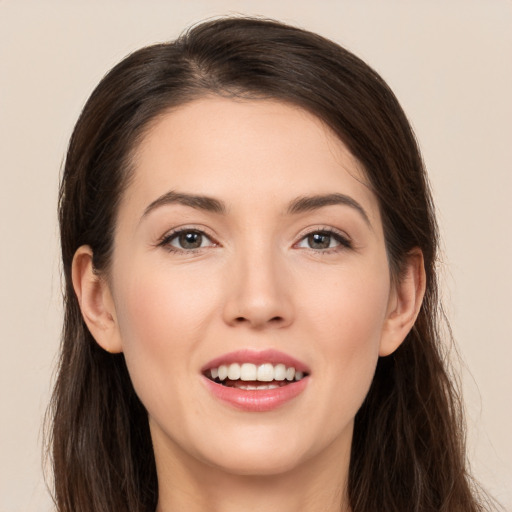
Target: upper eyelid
174,235
345,241
170,234
166,241
323,229
180,229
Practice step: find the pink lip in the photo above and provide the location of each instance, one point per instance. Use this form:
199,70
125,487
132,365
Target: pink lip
257,357
254,400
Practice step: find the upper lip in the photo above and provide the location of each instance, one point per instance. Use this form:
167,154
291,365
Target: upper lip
257,357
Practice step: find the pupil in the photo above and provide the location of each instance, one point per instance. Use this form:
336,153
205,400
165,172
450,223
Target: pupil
190,240
319,241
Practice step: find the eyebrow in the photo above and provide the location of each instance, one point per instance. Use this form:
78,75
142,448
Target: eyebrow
194,201
309,203
299,205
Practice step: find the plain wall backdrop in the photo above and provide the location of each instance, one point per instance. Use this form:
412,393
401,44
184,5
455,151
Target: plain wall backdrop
449,63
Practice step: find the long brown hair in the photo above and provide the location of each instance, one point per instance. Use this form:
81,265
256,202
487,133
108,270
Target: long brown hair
408,450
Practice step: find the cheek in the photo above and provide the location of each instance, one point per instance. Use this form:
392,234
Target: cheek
162,318
156,304
351,307
351,318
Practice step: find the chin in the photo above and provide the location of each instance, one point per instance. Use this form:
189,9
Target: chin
261,451
262,463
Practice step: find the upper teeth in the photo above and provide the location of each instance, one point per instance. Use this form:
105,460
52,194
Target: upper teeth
250,372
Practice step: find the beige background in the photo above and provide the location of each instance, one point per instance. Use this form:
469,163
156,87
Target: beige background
449,63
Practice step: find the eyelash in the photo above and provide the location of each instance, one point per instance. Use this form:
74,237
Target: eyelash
166,240
343,241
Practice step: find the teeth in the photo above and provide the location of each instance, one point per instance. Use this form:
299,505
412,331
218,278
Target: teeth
223,372
248,371
280,372
266,372
234,371
247,387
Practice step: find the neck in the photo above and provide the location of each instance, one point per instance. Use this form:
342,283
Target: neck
318,484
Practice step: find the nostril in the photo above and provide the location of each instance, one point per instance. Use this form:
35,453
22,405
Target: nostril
273,320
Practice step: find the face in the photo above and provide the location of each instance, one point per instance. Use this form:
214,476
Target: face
249,244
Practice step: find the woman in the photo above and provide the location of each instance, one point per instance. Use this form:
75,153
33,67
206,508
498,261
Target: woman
249,248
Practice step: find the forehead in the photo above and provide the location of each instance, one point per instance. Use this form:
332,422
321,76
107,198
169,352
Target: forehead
252,150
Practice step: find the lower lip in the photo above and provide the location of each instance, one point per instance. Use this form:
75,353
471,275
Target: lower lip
254,400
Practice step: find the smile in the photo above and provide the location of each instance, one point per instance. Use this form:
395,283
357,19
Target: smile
256,381
248,376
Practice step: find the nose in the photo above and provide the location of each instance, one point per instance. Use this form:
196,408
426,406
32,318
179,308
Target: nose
259,295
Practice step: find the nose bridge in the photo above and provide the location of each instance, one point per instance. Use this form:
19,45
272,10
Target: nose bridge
258,288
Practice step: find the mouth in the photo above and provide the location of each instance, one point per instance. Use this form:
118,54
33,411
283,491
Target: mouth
253,377
256,381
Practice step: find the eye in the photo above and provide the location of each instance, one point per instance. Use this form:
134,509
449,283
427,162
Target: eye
322,240
187,240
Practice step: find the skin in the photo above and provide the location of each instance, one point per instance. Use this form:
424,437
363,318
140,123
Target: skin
257,283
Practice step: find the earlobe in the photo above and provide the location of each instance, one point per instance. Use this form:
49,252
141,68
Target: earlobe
405,303
95,301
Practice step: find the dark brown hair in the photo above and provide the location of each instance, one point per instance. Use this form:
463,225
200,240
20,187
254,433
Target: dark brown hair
408,451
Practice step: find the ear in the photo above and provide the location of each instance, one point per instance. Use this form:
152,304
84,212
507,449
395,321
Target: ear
96,302
404,303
